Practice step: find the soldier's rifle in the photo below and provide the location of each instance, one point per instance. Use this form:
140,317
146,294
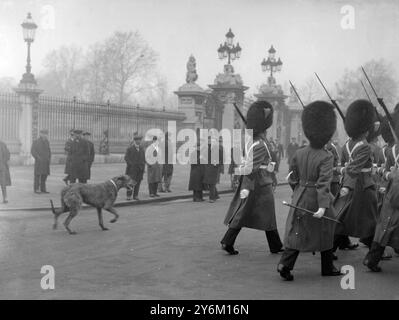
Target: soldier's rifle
384,107
334,102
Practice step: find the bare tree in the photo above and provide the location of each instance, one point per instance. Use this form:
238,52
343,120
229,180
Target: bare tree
311,90
380,73
64,74
131,62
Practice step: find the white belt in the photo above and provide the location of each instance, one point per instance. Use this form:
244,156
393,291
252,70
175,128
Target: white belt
365,170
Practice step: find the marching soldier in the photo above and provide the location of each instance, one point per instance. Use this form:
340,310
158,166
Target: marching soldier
42,154
387,230
311,175
253,202
356,204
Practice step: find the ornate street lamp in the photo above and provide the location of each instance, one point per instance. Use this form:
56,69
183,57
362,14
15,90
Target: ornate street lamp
271,64
28,29
228,49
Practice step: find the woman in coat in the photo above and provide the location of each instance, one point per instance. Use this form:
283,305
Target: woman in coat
253,202
5,179
311,175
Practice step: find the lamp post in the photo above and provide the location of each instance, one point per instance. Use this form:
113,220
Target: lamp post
271,64
228,49
28,29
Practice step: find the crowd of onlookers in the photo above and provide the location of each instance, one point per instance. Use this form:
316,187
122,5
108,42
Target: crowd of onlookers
80,153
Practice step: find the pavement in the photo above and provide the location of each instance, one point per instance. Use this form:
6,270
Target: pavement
22,197
167,250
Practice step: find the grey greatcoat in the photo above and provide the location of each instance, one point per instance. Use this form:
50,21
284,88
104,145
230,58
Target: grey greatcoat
387,229
311,177
5,178
41,152
358,209
257,210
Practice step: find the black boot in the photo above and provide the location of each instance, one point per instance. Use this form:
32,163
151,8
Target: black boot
229,249
373,257
346,244
327,266
285,273
273,238
229,239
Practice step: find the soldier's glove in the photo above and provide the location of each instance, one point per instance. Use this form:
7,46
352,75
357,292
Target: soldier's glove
343,192
244,193
319,213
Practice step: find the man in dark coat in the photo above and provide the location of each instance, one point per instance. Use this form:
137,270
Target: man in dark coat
212,169
356,205
67,150
41,152
311,175
5,178
197,171
135,165
291,149
253,202
79,159
91,155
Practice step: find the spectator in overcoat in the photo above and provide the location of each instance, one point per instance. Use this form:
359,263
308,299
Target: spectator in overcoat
41,152
5,178
135,165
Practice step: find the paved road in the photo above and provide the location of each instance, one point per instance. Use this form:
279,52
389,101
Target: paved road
166,251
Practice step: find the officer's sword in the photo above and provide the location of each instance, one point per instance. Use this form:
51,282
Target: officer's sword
308,211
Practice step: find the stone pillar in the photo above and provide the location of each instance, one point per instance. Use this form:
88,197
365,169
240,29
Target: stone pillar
229,89
28,125
273,94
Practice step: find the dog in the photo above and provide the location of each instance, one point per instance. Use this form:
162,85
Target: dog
100,195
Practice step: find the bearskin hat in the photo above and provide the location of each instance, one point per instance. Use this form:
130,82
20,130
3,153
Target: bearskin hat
259,116
359,118
386,132
319,123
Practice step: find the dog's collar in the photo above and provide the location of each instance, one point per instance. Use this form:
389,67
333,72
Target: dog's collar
116,187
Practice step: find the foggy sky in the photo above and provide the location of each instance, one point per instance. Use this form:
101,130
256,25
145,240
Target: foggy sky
307,34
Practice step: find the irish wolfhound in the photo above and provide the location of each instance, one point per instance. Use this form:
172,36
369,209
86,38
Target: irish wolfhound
101,196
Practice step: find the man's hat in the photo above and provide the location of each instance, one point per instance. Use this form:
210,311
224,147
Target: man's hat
86,133
44,131
319,123
359,118
259,116
137,136
78,131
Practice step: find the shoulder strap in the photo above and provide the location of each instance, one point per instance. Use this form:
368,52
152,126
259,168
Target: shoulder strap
350,152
